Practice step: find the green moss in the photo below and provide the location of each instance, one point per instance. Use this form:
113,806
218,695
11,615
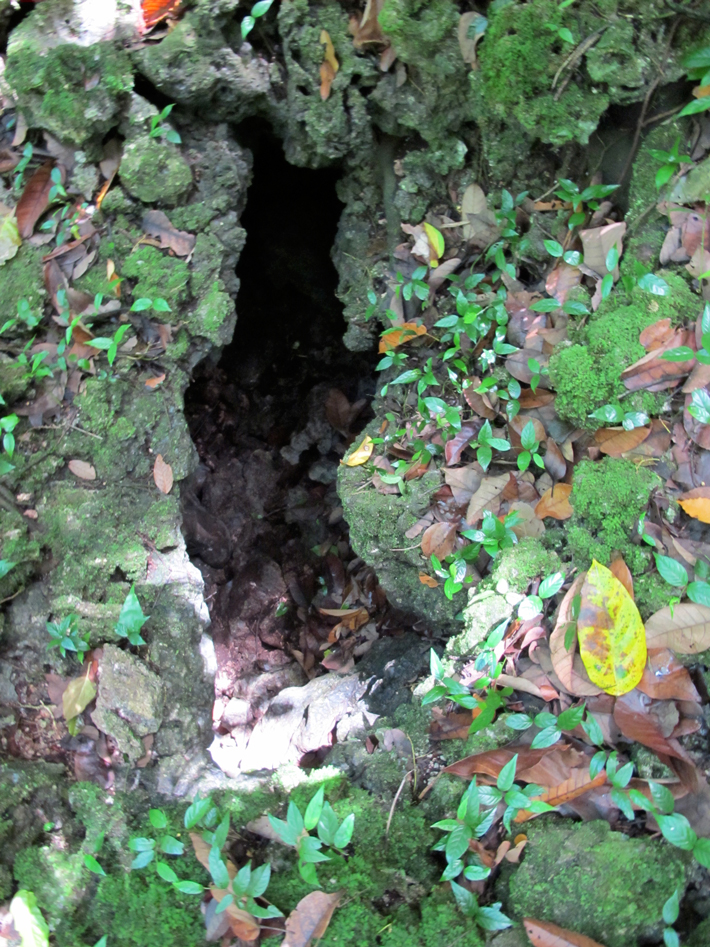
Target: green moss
22,278
651,593
55,877
17,545
158,276
608,497
51,79
525,561
594,881
700,937
485,608
214,316
155,171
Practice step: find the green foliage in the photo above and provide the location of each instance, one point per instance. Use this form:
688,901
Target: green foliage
66,636
670,162
25,316
160,130
697,66
551,726
249,22
131,619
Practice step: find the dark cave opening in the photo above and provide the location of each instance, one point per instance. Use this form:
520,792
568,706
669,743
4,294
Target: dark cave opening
271,421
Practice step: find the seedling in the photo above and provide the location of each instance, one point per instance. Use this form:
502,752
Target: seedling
415,286
676,574
131,620
670,163
551,727
249,22
671,910
25,315
66,636
159,130
7,426
531,447
21,167
569,192
295,832
494,535
615,414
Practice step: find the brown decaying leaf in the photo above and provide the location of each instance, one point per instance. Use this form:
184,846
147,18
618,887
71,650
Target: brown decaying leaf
655,373
310,918
632,715
438,540
155,382
491,762
665,678
156,224
696,503
77,695
555,502
489,490
568,665
619,569
163,475
545,934
657,335
368,29
555,463
453,726
517,365
34,200
616,441
81,469
686,631
597,243
578,782
456,446
428,580
399,336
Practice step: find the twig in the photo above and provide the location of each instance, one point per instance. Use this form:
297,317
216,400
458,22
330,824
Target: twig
576,54
75,427
394,801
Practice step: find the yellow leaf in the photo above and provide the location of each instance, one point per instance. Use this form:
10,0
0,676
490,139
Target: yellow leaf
330,56
10,238
361,454
612,640
436,242
697,507
399,335
77,694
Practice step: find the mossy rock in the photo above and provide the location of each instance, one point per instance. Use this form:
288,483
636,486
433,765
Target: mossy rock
154,171
594,881
608,496
700,937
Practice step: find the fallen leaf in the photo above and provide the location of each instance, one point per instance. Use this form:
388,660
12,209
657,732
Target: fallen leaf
491,762
428,580
10,238
438,540
453,726
665,678
616,441
562,281
544,934
473,205
436,244
598,242
517,365
633,716
656,373
34,200
578,782
610,631
310,918
368,29
111,159
555,463
396,337
528,523
657,335
153,383
555,502
329,66
77,695
457,444
163,475
156,224
156,10
696,503
81,469
463,481
685,631
489,490
361,454
567,664
619,569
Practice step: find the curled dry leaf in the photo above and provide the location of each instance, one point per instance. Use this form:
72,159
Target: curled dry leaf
567,663
163,475
438,540
329,66
633,716
463,481
491,762
555,463
428,580
310,918
456,446
657,335
545,934
157,224
555,502
578,782
696,503
610,631
81,469
665,678
396,337
615,441
489,490
35,198
155,382
685,631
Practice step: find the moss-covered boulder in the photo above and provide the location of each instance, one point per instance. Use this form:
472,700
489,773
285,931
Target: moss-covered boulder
155,171
591,880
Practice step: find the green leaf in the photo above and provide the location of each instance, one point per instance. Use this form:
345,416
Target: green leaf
457,842
697,105
131,619
28,921
681,354
435,666
93,866
5,566
314,809
593,730
612,258
465,899
197,811
670,938
597,763
218,869
436,693
160,305
662,797
573,257
518,721
506,777
287,834
673,572
158,819
569,719
143,859
553,247
654,284
491,918
476,872
345,832
260,8
259,880
551,585
527,436
701,852
546,737
671,909
328,824
140,304
545,305
141,844
166,872
171,846
607,285
621,801
574,308
677,830
188,887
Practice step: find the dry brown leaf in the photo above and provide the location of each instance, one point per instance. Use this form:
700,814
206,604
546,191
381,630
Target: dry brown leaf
457,445
81,469
517,365
657,335
633,716
368,29
489,490
686,631
156,224
491,762
696,503
310,918
463,481
568,664
555,463
428,580
616,441
619,569
665,678
544,934
598,242
153,383
655,373
438,540
578,782
393,338
35,198
555,502
163,475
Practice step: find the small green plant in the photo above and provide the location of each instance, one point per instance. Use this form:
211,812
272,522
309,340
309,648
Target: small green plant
670,912
531,447
615,414
35,369
551,727
249,22
25,316
21,167
147,849
5,567
697,66
159,130
7,426
569,192
495,535
295,832
131,619
670,163
415,286
66,636
532,605
676,574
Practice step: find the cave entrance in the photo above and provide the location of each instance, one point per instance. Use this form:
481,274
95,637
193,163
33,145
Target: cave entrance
271,421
